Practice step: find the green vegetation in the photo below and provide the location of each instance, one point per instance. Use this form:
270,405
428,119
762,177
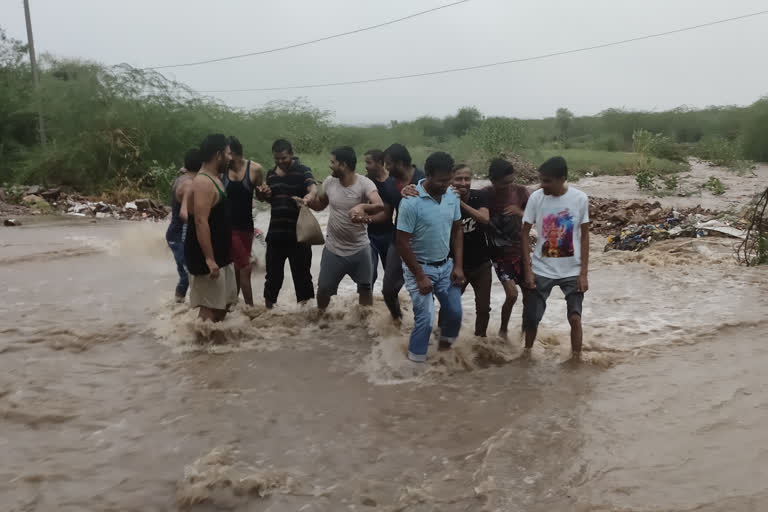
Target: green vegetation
121,132
715,186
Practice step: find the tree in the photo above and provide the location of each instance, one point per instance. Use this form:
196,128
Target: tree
564,117
464,120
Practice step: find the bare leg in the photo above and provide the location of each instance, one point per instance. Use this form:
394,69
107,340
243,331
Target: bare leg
366,299
510,288
244,280
530,336
207,314
323,301
576,333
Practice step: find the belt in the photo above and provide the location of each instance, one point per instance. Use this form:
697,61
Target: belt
434,263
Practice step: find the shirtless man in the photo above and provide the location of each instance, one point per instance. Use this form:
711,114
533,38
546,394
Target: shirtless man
177,229
241,179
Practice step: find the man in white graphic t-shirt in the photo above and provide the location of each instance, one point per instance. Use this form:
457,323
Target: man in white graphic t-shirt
561,255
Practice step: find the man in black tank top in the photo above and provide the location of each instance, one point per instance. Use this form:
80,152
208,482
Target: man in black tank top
208,245
240,180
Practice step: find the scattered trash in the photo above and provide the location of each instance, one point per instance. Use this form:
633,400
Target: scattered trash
11,222
664,225
134,210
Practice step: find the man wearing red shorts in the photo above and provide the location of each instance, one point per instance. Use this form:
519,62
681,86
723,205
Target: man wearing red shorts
506,204
242,177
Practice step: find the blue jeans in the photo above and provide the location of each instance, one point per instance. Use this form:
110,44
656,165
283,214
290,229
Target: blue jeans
177,248
424,309
379,246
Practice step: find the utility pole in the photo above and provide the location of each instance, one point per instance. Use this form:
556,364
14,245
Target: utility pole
35,75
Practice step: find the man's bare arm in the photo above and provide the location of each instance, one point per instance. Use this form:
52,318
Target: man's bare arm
186,194
375,204
385,215
583,281
457,244
257,174
205,196
403,241
480,215
525,243
319,203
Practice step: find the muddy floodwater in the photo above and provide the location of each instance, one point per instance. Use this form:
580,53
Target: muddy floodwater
108,404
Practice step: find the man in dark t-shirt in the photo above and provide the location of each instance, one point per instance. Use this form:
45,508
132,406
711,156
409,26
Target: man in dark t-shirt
287,180
477,263
381,234
397,161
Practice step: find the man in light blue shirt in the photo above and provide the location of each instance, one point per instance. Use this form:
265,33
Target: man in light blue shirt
428,228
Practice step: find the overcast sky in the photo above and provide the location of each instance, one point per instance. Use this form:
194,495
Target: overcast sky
723,64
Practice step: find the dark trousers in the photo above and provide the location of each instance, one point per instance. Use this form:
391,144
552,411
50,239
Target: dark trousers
299,257
380,245
393,281
177,247
481,279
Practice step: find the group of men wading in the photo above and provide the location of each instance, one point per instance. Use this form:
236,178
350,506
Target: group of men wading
430,230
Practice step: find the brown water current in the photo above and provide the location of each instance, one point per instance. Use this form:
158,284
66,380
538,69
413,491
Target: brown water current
107,403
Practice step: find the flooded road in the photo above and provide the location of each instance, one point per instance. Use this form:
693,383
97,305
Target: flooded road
108,404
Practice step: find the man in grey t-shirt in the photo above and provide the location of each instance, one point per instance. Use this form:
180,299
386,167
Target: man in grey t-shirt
353,199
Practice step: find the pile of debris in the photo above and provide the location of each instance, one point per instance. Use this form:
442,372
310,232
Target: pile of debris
134,210
633,225
36,200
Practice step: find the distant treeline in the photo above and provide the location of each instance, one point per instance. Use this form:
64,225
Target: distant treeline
117,126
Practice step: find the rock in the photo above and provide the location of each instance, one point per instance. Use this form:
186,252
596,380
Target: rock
51,194
634,204
369,502
3,196
11,222
143,204
102,207
34,190
619,216
31,199
656,213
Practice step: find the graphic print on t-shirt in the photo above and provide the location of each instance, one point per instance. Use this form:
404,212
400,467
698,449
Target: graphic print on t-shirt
557,228
469,224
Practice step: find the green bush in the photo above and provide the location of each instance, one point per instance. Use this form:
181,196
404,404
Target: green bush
715,186
719,151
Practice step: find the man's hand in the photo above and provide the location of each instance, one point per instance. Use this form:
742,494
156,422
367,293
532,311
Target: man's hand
425,285
309,198
264,192
530,281
409,191
583,283
358,215
213,267
513,210
457,276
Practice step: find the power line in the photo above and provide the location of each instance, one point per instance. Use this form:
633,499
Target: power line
493,64
313,41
